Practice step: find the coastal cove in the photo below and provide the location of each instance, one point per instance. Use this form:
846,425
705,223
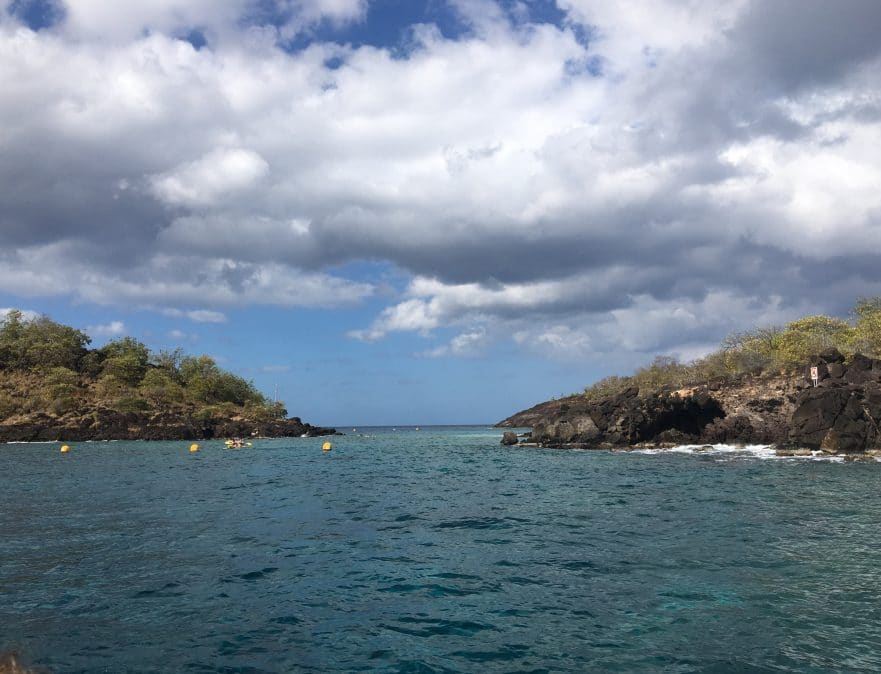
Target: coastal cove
435,550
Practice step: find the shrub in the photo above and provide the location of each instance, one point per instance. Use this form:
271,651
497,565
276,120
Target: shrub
810,335
207,383
62,405
126,359
159,387
8,406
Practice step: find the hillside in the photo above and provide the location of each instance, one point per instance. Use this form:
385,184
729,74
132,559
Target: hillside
53,387
530,417
841,414
757,388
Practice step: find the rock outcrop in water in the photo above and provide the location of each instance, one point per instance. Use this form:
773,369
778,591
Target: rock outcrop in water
840,415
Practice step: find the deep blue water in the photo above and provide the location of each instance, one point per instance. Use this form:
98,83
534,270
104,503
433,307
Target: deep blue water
435,551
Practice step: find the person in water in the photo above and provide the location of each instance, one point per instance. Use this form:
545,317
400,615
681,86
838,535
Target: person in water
10,664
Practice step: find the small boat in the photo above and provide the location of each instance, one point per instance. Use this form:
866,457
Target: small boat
237,443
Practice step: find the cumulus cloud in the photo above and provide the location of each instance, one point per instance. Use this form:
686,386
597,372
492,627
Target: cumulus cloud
467,344
108,19
197,315
219,174
112,329
180,335
536,180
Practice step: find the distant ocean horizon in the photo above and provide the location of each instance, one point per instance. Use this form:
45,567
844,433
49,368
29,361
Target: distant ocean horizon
436,550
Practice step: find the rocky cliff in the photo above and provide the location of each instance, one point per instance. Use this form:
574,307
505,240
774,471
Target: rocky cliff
841,414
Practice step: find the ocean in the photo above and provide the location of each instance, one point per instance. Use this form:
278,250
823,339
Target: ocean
436,550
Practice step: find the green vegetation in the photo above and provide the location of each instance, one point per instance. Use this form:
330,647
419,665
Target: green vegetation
759,351
47,367
39,343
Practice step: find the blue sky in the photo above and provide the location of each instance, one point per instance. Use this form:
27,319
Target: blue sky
437,211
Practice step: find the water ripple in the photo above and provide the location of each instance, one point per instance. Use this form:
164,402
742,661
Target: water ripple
437,551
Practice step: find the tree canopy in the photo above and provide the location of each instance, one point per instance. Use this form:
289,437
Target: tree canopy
40,342
124,371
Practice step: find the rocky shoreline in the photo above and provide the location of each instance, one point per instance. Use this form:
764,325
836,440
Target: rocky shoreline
107,424
840,414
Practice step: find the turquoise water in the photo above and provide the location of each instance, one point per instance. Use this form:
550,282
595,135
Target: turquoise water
435,551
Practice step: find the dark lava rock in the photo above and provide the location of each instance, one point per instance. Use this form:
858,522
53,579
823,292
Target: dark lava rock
836,370
831,355
832,419
815,413
861,369
106,424
627,419
822,370
765,404
842,415
732,429
509,438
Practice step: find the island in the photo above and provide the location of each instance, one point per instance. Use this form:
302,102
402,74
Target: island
53,387
804,388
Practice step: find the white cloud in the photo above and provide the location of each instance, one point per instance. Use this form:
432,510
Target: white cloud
181,336
218,174
522,177
197,315
109,19
413,315
112,329
467,344
559,341
634,33
684,328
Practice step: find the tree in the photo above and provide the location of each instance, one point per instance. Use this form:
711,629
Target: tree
11,342
810,335
125,359
752,350
41,342
159,387
264,412
664,370
867,327
206,382
866,306
198,374
169,362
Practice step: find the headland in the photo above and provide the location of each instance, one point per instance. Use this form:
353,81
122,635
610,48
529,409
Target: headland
53,387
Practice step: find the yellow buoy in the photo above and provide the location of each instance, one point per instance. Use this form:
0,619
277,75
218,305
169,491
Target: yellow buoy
194,447
326,447
65,449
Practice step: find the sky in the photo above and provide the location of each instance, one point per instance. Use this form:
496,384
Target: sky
437,211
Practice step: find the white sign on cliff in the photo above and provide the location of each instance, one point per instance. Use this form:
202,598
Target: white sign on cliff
815,375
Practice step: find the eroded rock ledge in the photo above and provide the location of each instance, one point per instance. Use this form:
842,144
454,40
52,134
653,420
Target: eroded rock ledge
105,424
840,415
